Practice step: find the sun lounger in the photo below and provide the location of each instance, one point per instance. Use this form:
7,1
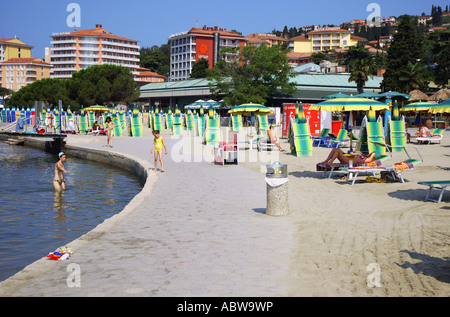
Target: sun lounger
435,136
264,144
340,139
396,134
330,168
322,138
372,140
390,172
300,138
236,123
263,124
212,131
438,185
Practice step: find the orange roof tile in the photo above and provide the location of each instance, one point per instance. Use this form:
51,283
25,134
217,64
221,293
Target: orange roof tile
298,55
97,32
32,60
357,38
8,41
328,30
301,37
211,30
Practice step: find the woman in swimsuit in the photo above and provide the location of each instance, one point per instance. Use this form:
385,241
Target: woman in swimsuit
109,125
338,154
158,144
58,181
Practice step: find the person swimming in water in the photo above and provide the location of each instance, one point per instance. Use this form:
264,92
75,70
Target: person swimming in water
58,181
158,145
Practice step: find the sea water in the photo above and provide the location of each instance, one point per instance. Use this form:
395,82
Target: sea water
35,220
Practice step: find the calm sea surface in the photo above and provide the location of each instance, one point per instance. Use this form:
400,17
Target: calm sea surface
34,220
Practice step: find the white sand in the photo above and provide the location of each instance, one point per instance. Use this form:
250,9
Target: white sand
342,229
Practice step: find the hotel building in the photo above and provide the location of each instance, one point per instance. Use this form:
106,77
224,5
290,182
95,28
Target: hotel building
323,39
146,76
14,48
257,39
77,50
16,73
191,46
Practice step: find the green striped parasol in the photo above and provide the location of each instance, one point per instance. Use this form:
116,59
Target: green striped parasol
443,107
418,106
250,108
299,114
395,112
97,108
350,104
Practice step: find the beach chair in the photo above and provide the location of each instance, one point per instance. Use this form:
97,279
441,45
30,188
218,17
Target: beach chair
388,172
236,123
323,138
340,139
396,134
372,140
263,124
83,125
212,131
300,138
435,136
264,144
438,185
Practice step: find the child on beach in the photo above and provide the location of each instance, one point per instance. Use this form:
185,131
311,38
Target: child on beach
158,144
109,125
58,181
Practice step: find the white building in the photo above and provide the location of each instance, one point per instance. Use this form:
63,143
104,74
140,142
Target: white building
74,51
189,47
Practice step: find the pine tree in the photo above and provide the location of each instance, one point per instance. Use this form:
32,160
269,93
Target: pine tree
406,47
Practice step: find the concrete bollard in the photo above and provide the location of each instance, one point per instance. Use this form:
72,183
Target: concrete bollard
277,190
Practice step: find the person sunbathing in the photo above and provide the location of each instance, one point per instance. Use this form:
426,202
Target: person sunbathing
360,158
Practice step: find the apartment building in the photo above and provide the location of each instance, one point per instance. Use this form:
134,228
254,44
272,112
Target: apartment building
14,48
258,39
323,39
77,50
197,43
146,76
16,73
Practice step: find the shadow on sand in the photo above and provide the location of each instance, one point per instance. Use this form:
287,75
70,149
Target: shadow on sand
439,268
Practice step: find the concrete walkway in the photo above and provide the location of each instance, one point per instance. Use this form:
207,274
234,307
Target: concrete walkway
199,230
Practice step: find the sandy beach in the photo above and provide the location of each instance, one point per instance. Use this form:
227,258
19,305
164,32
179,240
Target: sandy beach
342,229
200,229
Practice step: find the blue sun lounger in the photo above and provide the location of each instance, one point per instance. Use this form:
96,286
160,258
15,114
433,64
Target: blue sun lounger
439,185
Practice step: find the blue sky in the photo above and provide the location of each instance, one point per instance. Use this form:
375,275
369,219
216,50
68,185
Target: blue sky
152,22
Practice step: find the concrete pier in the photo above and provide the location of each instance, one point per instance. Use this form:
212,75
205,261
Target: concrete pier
196,230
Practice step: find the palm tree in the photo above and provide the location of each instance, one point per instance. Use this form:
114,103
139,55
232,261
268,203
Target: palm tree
360,71
411,76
